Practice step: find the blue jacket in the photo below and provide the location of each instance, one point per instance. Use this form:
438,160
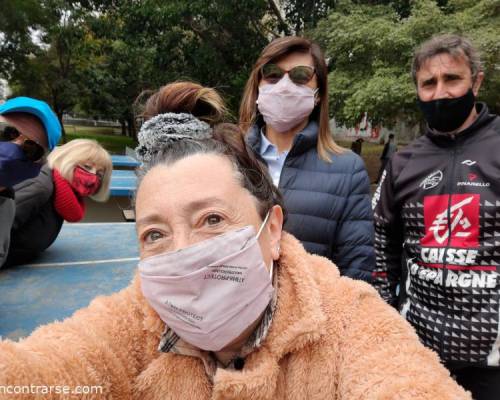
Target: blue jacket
328,204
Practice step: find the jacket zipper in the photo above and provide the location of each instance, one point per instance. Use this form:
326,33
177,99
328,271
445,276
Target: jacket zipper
451,180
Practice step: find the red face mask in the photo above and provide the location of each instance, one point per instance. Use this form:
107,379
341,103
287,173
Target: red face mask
85,183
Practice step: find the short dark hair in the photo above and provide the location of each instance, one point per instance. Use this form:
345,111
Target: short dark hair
391,136
455,45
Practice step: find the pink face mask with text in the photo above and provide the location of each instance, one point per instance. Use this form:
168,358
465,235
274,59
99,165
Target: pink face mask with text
210,292
284,104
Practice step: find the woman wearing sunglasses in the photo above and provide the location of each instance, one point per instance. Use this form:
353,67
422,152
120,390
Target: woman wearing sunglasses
28,130
76,170
284,111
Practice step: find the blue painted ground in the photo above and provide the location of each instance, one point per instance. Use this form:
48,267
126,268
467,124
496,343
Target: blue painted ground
86,260
124,161
123,183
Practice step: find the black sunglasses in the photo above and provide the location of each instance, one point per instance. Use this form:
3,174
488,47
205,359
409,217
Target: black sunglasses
300,74
32,150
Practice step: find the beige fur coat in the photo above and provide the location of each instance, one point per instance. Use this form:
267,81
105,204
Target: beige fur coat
331,338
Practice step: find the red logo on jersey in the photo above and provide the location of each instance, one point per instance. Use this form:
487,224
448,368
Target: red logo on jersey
463,223
472,177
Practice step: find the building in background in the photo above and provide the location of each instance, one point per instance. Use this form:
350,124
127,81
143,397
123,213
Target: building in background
374,133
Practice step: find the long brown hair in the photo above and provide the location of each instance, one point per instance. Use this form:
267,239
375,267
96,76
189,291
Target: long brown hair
275,50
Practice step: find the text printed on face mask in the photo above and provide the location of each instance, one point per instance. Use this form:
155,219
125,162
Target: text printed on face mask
226,273
185,315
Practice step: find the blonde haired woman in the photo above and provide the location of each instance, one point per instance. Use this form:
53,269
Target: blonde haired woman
81,168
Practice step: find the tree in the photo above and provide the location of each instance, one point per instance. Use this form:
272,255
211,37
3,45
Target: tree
51,62
372,46
143,45
99,55
17,21
303,15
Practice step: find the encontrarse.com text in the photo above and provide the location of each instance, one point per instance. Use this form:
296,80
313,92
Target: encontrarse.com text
49,389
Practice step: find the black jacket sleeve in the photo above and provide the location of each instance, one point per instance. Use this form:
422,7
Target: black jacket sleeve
353,251
388,237
31,196
7,212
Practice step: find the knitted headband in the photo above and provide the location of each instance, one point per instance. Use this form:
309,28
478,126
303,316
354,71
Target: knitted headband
165,129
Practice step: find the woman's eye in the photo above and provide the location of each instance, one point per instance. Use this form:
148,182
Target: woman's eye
213,219
152,236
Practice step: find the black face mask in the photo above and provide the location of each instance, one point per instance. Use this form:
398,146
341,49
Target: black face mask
447,115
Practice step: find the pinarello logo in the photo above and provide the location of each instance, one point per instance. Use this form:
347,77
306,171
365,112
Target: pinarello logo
469,162
463,223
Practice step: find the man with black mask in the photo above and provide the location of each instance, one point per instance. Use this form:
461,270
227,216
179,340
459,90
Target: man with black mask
437,219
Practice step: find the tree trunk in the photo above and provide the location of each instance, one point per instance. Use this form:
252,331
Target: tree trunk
63,131
124,127
282,22
132,131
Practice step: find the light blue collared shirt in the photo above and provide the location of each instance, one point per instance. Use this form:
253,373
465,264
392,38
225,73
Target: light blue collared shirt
275,161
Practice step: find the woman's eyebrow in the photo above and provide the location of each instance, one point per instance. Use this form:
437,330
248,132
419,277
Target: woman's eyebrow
187,209
203,203
149,219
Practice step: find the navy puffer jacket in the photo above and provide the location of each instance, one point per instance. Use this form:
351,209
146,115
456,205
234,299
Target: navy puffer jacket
328,204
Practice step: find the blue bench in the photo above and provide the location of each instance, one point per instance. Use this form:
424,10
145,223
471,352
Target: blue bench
124,161
122,187
123,183
85,261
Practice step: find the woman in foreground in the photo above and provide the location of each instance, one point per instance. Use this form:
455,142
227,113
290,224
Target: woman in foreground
225,305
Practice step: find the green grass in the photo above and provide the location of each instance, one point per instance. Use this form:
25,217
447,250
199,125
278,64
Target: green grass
370,153
109,138
367,149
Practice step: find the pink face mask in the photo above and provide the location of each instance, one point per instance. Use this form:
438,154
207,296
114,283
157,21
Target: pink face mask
285,104
209,293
